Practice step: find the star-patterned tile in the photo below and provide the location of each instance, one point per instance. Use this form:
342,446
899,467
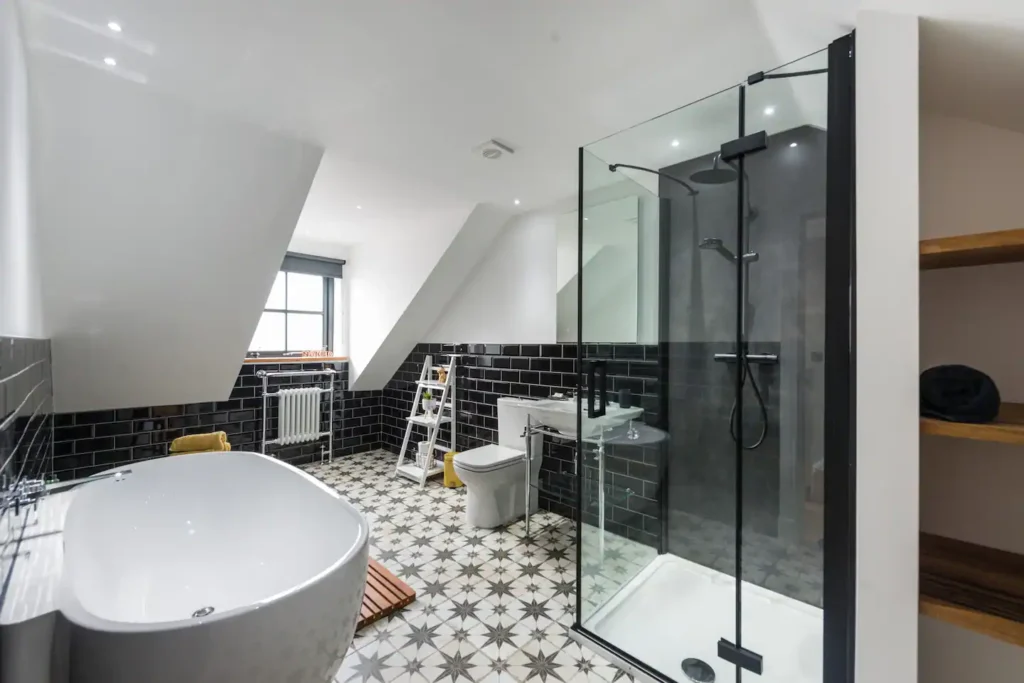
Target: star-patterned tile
491,604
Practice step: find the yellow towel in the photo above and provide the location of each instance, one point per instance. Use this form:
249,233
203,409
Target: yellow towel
451,480
201,443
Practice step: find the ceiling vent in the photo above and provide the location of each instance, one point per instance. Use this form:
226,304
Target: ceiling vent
493,149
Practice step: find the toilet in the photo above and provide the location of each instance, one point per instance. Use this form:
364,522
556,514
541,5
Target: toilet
494,474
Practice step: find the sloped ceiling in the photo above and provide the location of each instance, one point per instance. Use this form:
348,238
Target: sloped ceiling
162,225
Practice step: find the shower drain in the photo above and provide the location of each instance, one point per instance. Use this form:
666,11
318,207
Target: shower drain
207,611
698,671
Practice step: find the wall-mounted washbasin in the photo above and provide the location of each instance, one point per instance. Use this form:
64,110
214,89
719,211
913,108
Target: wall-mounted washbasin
211,568
560,415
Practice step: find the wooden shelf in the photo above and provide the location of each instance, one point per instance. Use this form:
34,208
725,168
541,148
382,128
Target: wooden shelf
984,249
977,588
1008,427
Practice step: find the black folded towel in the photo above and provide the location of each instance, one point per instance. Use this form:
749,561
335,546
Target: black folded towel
957,393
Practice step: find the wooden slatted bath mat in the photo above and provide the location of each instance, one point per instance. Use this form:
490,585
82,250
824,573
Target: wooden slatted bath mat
385,593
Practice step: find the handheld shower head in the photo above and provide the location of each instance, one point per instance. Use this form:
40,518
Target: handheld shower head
715,244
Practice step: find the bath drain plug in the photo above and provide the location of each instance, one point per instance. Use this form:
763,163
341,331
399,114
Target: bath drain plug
207,611
698,671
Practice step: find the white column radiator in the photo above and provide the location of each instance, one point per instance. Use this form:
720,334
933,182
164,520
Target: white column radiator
298,415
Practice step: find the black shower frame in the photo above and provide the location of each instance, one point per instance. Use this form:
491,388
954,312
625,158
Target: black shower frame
839,590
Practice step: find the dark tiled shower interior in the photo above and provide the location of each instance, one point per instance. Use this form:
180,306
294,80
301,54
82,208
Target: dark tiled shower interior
703,475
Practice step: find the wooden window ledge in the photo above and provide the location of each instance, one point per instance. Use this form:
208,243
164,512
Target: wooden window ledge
297,359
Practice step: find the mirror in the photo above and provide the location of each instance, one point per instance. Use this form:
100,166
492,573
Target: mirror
610,270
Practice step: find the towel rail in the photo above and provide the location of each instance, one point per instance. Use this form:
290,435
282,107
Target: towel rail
329,389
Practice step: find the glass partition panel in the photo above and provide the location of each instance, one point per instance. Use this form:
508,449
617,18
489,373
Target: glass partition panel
658,480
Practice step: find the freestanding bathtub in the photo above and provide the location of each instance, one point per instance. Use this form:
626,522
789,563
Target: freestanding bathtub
211,568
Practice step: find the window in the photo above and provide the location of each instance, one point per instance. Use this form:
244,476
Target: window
299,315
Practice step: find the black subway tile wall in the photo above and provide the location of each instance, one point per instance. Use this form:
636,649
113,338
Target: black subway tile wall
86,443
489,371
26,409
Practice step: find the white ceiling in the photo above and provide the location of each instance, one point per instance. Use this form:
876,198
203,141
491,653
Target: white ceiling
400,92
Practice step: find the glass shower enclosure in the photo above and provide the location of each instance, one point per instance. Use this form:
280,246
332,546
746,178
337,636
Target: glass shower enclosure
711,545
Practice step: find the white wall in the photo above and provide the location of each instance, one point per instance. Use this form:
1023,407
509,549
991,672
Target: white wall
21,312
397,290
971,490
163,226
887,348
510,295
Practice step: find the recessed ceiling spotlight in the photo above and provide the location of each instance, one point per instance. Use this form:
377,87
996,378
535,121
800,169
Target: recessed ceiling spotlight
516,202
675,143
114,26
585,218
359,206
792,144
110,61
768,111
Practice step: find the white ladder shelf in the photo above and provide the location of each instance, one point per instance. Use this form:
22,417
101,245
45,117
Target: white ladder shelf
444,414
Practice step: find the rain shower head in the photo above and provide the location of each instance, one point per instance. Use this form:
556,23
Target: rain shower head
723,173
718,174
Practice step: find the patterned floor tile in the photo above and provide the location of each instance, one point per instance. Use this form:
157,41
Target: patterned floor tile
492,605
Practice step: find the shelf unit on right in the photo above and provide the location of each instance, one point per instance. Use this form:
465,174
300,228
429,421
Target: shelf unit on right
1007,428
982,249
972,586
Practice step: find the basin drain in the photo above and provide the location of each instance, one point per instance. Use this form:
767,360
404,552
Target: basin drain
698,671
207,611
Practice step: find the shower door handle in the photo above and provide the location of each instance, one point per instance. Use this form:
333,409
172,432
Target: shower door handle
592,369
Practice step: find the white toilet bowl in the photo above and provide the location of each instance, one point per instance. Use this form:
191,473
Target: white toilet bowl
495,487
494,475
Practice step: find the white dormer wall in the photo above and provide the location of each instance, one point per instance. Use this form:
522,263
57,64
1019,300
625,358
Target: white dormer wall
162,226
21,313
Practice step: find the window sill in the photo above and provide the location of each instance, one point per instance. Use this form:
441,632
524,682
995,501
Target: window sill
296,359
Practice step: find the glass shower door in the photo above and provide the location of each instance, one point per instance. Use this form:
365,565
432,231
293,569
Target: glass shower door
783,431
657,478
702,440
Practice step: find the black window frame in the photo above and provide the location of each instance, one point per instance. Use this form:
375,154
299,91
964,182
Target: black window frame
329,270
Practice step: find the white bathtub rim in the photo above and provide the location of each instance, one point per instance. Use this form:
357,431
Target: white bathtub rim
71,607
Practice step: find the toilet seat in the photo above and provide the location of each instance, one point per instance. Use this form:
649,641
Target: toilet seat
489,458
